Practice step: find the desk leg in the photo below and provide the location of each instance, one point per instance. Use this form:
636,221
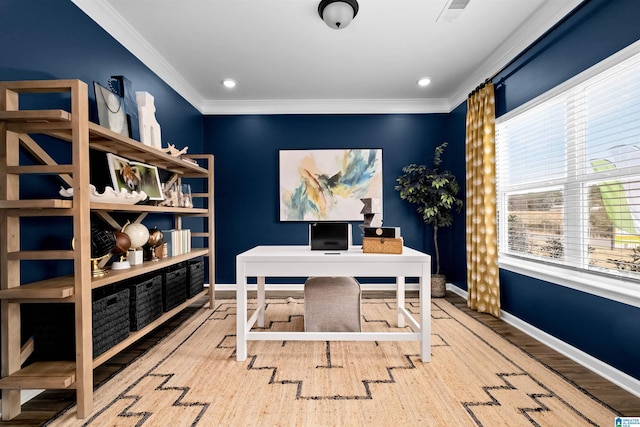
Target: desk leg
241,313
425,316
400,300
261,301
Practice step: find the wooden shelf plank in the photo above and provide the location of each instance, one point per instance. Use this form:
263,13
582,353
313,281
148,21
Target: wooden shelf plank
39,375
36,204
44,254
35,116
106,140
41,169
101,138
146,267
146,208
56,288
62,287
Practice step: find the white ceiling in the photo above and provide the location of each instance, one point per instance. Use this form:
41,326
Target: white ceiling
286,60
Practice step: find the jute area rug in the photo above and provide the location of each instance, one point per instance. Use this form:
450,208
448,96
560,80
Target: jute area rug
476,378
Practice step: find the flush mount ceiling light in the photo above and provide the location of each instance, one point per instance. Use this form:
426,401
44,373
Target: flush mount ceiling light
338,13
229,83
424,81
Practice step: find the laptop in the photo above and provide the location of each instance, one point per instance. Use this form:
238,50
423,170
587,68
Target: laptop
330,236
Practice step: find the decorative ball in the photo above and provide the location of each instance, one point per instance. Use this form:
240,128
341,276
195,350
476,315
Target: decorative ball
155,237
138,233
123,243
102,242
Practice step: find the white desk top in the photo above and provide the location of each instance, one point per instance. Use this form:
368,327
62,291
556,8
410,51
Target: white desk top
303,251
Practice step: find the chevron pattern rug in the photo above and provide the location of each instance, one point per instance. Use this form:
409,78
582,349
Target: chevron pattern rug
476,378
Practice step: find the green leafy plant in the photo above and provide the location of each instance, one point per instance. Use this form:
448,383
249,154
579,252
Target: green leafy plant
434,191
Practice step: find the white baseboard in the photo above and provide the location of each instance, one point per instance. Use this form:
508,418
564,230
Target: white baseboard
625,381
299,287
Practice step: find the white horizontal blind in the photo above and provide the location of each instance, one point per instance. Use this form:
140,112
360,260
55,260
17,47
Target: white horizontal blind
568,172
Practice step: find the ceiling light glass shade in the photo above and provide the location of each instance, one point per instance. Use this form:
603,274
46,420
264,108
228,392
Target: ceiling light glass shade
424,81
338,13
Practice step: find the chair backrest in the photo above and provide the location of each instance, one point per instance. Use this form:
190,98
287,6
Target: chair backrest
332,304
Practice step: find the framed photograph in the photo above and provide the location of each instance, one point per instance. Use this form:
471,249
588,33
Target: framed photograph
111,110
327,185
134,176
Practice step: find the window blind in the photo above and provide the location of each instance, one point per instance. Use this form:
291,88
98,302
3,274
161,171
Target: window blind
568,174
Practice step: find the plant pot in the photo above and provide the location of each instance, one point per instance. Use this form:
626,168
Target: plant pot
438,285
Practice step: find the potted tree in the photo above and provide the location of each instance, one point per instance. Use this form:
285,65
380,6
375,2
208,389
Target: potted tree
434,191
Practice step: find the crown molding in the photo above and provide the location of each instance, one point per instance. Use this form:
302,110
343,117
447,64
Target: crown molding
327,106
115,25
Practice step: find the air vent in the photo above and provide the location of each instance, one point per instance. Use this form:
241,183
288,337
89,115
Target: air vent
452,10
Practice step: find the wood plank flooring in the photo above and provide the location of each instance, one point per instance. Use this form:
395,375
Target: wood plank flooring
45,406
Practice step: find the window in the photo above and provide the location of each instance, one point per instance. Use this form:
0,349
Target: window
568,173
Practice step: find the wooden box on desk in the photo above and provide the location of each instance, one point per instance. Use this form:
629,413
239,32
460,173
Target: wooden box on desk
382,245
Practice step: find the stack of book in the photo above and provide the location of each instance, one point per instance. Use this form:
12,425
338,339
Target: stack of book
178,241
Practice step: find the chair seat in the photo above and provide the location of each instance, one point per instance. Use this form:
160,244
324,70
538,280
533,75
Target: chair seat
332,304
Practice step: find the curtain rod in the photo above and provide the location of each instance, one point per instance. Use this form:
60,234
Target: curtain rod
481,85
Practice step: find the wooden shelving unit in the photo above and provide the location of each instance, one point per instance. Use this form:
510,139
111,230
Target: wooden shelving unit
75,132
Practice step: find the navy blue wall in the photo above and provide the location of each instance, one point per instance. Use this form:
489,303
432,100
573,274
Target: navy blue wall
602,328
246,151
53,39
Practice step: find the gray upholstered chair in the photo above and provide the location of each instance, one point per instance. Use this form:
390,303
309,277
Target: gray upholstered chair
332,304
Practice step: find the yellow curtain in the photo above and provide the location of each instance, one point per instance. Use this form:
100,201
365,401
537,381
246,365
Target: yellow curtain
482,237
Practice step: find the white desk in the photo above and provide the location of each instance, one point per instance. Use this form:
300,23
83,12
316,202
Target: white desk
301,261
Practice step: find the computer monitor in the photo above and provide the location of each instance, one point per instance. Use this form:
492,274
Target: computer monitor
330,236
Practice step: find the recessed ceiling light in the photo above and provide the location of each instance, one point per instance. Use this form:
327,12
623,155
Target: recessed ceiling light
229,83
424,81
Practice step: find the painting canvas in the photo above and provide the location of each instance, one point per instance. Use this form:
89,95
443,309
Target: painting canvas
327,185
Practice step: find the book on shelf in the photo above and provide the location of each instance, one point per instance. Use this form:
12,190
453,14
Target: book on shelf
178,241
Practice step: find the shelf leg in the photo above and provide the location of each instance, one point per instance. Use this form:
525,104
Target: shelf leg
11,357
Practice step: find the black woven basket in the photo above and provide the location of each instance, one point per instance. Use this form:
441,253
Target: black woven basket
53,325
174,287
110,321
145,303
195,277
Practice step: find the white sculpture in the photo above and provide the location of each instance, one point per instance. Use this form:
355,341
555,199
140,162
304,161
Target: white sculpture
149,126
173,151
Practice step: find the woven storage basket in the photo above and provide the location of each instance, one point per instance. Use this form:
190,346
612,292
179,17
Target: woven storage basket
53,325
110,321
195,277
174,287
382,245
145,304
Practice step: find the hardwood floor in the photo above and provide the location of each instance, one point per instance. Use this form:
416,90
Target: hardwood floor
46,405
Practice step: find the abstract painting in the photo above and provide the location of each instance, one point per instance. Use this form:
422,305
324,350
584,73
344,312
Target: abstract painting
327,185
